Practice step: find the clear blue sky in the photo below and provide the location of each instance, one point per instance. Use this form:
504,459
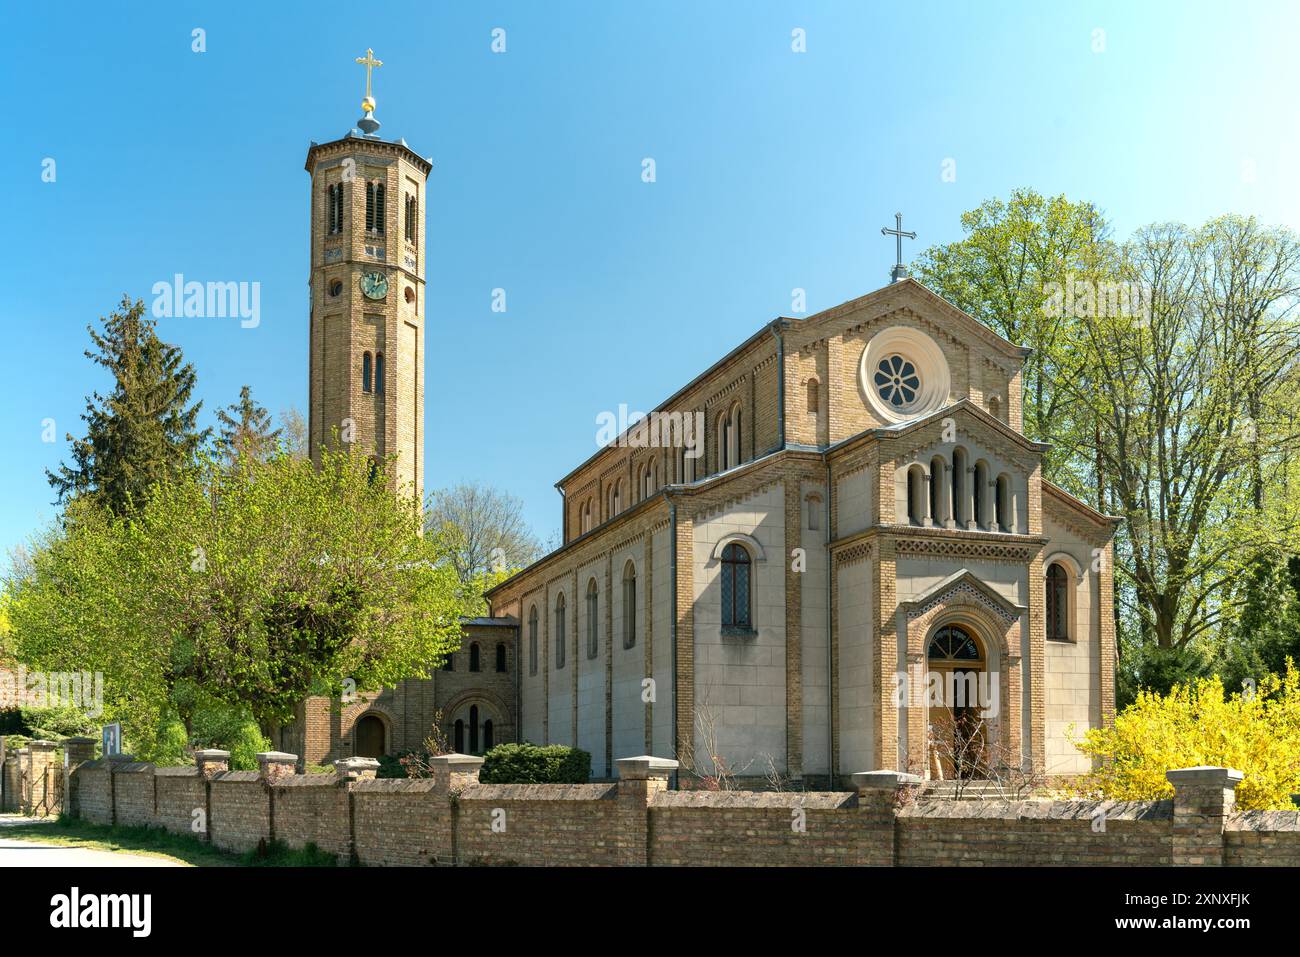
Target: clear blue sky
775,170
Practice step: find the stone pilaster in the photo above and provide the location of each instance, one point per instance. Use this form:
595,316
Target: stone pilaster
211,761
639,780
878,796
273,765
1203,799
454,772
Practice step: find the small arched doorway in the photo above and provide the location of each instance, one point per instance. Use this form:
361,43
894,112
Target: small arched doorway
956,687
369,736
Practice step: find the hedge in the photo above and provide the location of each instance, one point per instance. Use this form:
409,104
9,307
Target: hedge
532,764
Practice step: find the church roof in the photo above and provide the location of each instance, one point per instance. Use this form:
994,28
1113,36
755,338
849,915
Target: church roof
356,139
964,320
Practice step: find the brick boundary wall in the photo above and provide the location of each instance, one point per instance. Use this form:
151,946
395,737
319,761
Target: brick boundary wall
451,818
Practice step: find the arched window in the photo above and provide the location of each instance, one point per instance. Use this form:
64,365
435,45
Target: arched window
616,498
981,481
592,608
367,372
584,517
501,657
735,587
814,504
960,510
629,605
370,207
473,656
372,473
1058,603
952,643
735,455
459,737
814,397
532,641
995,407
412,213
936,491
450,663
332,210
724,442
1002,503
473,729
487,735
916,495
559,632
379,207
379,373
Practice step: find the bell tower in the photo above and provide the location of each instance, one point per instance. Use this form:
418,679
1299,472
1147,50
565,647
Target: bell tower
368,298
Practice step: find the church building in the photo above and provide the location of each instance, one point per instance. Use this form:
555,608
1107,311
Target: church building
832,551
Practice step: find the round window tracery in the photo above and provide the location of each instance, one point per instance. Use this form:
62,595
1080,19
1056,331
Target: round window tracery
897,381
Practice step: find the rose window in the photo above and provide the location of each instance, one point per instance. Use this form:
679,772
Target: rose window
897,381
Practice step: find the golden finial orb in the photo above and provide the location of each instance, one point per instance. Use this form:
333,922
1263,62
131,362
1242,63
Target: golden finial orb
368,104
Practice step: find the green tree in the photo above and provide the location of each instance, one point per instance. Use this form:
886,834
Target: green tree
1013,252
246,428
259,584
143,431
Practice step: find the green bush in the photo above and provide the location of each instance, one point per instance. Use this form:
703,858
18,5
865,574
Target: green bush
532,764
244,746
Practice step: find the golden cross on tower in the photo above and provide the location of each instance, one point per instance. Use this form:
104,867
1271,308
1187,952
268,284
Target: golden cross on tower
369,62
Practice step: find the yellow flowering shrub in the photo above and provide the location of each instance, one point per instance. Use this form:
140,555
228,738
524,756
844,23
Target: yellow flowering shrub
1259,734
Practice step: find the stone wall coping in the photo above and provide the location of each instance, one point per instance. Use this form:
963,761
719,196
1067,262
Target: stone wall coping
457,762
79,739
177,772
235,777
644,766
42,745
395,786
212,754
539,792
1037,810
276,757
356,764
1263,821
120,758
306,781
882,780
133,767
758,800
1204,776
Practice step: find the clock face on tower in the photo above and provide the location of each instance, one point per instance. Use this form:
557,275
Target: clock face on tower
374,285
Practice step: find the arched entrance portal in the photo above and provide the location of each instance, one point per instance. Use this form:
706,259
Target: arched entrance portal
369,736
956,689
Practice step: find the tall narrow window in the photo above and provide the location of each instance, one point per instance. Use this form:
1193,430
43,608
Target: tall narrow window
450,663
980,505
367,373
960,513
412,208
370,207
559,632
1058,603
501,657
379,373
338,213
737,439
487,735
473,729
916,495
459,736
532,641
629,605
735,587
379,207
593,602
814,397
724,443
473,657
331,211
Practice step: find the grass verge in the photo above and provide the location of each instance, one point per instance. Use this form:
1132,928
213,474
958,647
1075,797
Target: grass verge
155,842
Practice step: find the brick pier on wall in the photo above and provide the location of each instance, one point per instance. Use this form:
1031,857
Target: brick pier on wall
451,818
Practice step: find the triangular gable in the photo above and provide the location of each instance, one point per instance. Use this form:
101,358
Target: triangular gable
960,581
911,290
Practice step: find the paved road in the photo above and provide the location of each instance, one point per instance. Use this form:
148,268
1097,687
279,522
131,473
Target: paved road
35,854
